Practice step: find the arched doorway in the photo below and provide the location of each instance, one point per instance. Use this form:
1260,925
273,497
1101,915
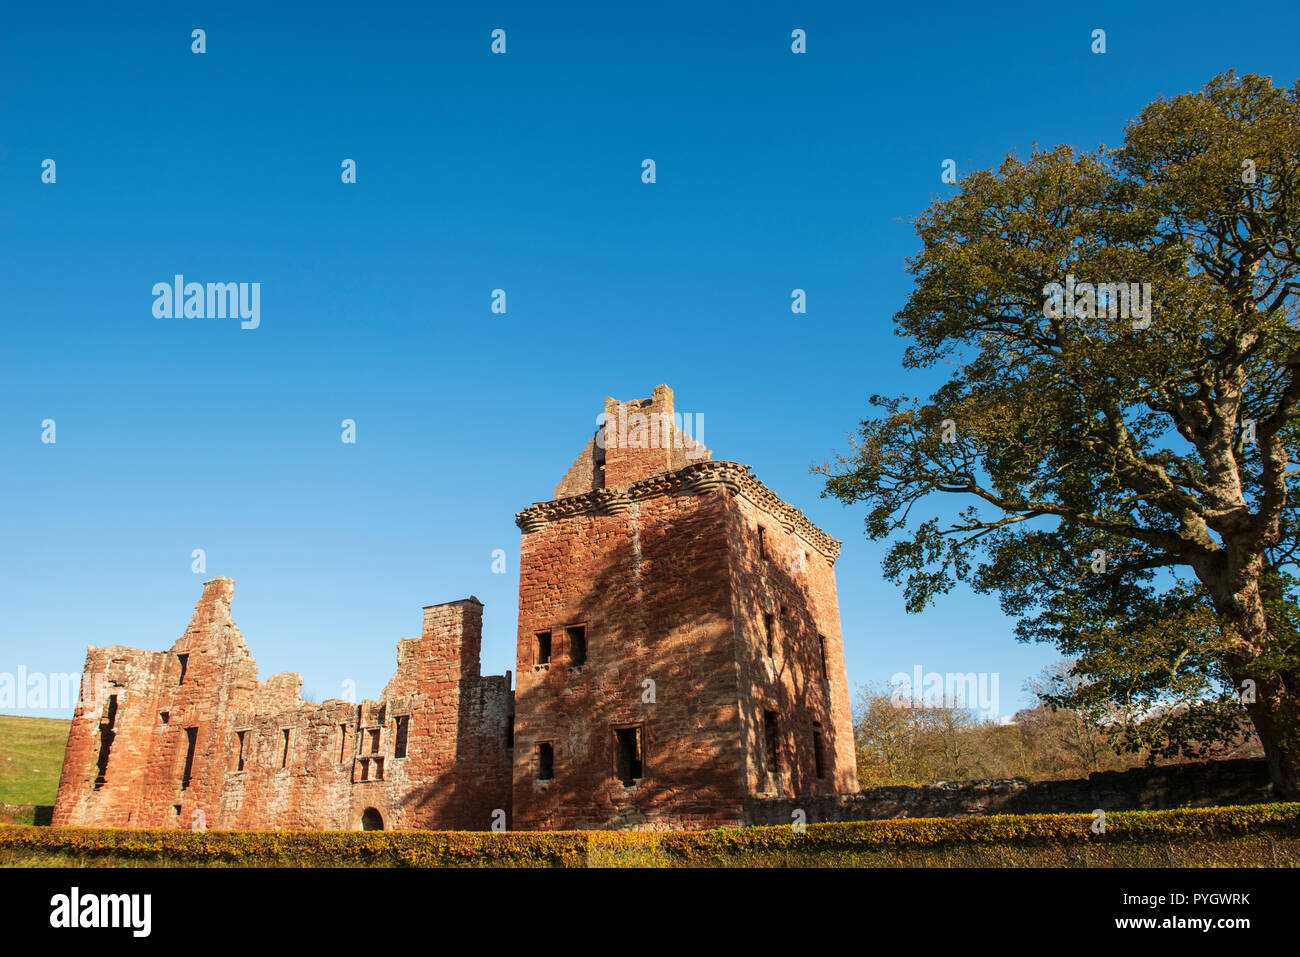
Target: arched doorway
371,820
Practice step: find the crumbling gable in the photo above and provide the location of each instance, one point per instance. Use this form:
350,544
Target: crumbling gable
190,737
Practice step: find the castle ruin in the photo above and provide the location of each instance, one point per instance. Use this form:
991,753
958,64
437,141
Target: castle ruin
679,662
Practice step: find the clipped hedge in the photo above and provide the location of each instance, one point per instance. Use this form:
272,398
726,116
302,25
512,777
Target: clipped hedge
1251,835
294,848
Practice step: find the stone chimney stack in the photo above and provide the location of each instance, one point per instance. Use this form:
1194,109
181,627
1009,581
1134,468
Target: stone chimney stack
453,632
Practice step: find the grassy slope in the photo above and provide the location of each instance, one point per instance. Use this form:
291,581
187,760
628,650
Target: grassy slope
31,757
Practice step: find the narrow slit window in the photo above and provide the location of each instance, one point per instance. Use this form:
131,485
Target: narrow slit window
819,753
821,646
343,742
598,462
191,737
545,761
762,540
543,648
577,645
239,762
284,754
399,740
770,740
107,732
185,664
629,764
769,630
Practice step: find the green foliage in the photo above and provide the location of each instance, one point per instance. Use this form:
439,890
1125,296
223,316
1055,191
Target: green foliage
1124,488
901,745
914,746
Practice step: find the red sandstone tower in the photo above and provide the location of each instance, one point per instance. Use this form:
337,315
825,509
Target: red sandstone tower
679,647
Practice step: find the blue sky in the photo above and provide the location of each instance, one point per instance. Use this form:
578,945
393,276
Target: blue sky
475,171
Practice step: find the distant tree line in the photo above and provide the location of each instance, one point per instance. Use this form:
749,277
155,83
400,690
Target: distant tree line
902,744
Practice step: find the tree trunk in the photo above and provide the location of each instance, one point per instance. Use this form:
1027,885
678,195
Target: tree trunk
1276,724
1275,711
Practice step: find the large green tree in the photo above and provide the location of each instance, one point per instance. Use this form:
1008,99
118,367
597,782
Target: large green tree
1116,437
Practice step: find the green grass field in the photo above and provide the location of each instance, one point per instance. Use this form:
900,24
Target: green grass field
31,757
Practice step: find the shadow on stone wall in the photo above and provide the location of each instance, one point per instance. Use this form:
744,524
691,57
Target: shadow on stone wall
1207,784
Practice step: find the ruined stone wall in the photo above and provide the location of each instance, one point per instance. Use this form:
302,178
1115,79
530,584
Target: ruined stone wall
123,719
262,758
641,440
585,475
1203,784
638,440
159,703
785,583
650,586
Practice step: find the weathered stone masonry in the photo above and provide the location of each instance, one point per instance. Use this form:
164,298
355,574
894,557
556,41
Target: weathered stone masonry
679,662
191,736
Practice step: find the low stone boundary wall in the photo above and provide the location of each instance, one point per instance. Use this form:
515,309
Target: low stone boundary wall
1206,784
